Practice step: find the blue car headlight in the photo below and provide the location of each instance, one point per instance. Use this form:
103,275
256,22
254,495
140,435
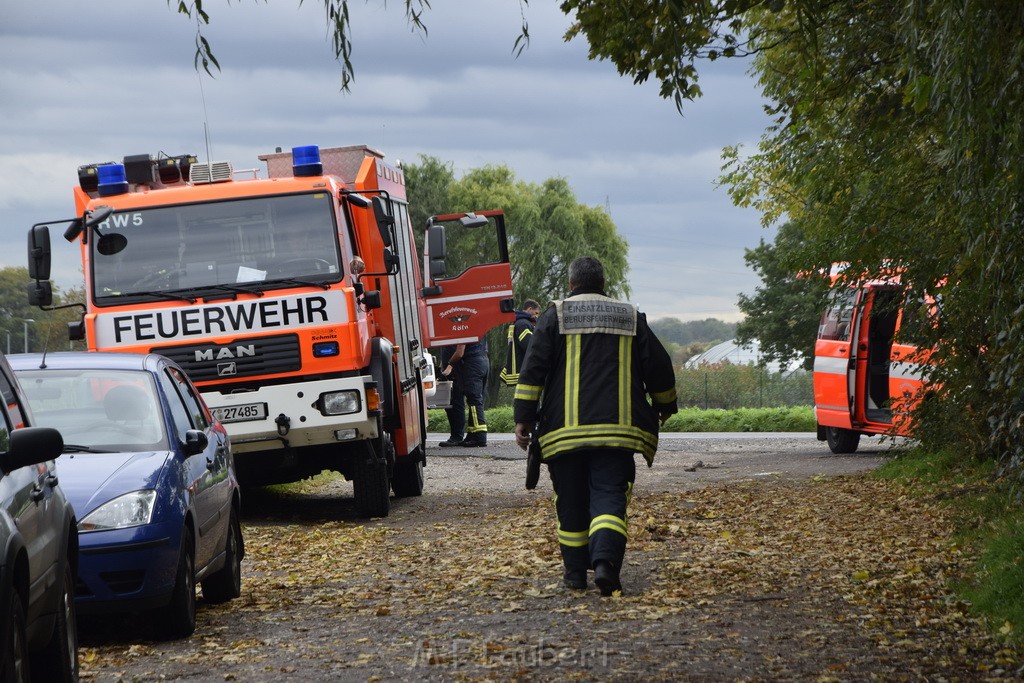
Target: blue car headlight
131,509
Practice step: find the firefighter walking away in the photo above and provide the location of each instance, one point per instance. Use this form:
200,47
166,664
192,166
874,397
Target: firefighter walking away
583,392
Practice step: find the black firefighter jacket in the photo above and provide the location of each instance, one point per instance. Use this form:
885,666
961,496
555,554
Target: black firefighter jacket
518,341
590,366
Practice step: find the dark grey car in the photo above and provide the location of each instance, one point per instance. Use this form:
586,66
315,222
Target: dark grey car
38,549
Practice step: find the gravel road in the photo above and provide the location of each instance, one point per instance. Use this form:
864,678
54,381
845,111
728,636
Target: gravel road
684,461
462,583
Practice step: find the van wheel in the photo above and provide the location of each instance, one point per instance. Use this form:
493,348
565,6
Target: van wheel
842,440
58,661
370,482
178,619
14,649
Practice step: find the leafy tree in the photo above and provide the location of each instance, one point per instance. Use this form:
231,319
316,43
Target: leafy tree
430,184
782,315
547,228
668,330
898,126
46,329
707,331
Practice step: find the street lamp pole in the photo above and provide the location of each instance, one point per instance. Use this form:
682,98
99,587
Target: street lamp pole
27,321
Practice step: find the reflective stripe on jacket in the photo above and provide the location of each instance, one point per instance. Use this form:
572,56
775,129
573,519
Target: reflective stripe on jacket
587,375
519,334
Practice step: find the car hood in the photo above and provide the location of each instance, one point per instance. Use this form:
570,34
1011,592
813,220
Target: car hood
91,479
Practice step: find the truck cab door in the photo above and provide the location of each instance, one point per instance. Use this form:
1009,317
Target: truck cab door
835,358
876,353
468,277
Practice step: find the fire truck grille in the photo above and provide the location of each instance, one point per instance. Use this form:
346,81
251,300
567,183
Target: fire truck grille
240,358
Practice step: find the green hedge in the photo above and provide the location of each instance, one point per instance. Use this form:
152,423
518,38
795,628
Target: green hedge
793,419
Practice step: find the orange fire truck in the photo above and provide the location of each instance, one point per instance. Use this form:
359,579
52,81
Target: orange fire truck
867,379
295,302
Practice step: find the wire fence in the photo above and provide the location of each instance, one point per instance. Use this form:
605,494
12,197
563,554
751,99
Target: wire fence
730,386
726,386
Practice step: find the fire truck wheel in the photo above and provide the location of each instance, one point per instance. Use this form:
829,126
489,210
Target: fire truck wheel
842,440
384,447
370,486
408,479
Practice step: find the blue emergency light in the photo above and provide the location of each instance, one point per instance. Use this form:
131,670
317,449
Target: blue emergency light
111,179
306,161
325,349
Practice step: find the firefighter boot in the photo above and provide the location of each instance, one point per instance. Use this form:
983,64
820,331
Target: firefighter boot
606,577
475,439
575,579
452,441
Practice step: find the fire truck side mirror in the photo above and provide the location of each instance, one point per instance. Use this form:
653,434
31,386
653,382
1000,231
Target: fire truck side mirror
472,220
40,293
391,263
385,221
39,252
437,247
111,243
371,299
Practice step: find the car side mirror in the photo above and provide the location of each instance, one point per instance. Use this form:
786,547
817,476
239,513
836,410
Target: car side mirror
31,446
195,442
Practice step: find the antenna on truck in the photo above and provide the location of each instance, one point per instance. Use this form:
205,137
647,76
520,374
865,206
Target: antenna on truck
206,119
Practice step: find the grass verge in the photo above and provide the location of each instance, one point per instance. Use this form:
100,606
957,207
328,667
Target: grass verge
990,531
795,419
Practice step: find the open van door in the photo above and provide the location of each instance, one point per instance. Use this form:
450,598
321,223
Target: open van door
468,277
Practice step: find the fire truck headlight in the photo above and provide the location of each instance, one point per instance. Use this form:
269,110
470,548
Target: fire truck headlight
339,403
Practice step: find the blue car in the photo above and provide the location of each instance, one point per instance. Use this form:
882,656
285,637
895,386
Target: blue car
150,476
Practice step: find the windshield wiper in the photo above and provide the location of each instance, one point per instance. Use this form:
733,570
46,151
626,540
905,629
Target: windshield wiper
76,448
232,291
240,288
170,296
296,281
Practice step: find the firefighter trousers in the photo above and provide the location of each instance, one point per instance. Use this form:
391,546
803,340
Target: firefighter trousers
474,386
592,490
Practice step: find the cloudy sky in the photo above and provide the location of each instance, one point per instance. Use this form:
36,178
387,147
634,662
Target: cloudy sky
86,82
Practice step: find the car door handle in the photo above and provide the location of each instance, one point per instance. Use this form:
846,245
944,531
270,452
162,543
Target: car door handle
51,480
211,464
38,493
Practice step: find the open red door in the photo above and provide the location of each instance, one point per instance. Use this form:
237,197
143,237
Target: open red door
468,277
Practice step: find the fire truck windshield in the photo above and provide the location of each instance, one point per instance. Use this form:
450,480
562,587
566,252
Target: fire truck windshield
240,243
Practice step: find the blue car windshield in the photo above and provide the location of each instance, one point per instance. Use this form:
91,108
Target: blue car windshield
108,410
